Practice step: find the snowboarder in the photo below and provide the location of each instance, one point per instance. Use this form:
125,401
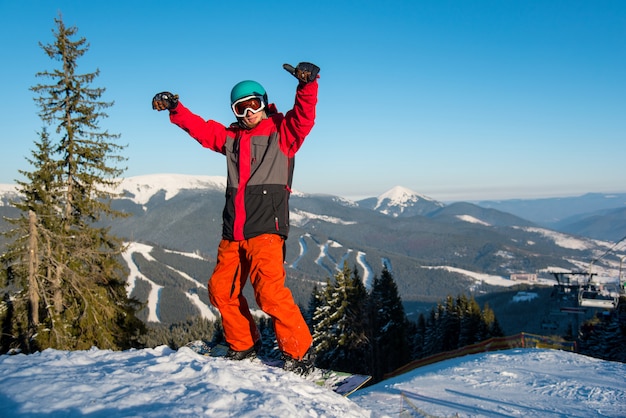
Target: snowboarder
260,149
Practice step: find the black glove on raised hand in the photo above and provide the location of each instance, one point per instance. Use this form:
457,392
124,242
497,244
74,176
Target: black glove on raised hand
305,71
165,100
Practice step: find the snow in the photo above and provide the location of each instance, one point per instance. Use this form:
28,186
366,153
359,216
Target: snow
301,218
512,383
480,277
134,274
142,188
473,220
368,273
400,196
161,382
525,296
152,304
563,240
8,192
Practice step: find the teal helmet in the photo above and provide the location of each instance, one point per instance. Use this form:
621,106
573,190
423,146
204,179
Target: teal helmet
247,88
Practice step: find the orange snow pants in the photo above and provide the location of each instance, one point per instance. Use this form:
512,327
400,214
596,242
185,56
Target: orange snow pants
261,259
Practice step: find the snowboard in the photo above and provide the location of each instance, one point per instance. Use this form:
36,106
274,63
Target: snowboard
342,383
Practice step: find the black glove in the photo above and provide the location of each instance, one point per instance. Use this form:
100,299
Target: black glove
165,100
305,71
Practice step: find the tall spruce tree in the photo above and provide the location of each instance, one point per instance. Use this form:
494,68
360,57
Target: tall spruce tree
323,321
391,342
471,321
315,301
450,325
27,261
339,331
68,278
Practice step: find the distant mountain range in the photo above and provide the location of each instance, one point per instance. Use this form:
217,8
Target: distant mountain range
594,215
432,249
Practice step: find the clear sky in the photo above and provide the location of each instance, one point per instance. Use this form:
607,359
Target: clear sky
456,100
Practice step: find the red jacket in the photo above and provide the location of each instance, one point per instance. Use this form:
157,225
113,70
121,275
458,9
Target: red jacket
260,163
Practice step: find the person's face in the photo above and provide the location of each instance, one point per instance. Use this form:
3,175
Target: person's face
253,119
250,109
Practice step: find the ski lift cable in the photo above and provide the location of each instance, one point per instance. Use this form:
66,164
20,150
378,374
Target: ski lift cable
605,253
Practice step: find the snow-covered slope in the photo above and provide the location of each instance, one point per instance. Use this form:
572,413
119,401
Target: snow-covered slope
161,382
141,188
512,383
8,192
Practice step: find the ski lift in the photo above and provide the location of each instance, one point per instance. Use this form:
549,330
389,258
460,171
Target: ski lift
569,281
591,296
594,296
584,293
566,291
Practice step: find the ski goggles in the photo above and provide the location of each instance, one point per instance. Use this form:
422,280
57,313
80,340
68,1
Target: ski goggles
252,103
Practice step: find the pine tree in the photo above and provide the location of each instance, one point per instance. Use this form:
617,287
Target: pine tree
470,322
357,341
390,326
455,324
418,337
27,259
433,342
495,330
323,320
488,318
315,301
339,333
450,325
70,267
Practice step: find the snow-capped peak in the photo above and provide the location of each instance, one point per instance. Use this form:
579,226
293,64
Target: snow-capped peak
400,201
400,196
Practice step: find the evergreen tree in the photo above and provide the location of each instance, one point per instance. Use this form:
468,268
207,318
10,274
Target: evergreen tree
315,301
604,336
26,261
488,318
433,341
495,330
325,338
68,277
450,325
357,341
268,338
417,338
390,327
455,324
339,333
470,322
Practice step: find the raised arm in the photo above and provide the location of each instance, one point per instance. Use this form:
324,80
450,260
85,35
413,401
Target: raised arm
299,121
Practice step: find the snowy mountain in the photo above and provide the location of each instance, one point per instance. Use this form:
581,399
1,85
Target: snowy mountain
400,201
8,193
161,382
141,189
456,249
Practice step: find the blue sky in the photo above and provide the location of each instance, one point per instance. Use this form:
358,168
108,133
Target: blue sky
456,100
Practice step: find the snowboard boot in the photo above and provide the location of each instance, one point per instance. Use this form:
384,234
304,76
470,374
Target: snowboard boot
242,355
304,366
